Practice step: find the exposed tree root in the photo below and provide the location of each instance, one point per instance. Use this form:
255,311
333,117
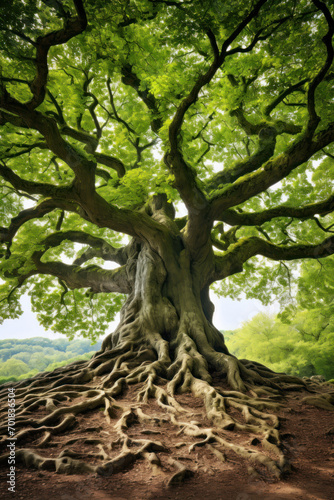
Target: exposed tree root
243,423
325,401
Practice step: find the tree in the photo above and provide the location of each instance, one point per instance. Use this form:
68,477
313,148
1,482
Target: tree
13,367
304,347
114,115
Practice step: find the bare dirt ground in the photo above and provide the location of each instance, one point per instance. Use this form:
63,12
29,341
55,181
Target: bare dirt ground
307,435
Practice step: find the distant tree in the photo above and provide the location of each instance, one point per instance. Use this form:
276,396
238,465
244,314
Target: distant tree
61,344
23,356
13,367
4,380
38,354
304,347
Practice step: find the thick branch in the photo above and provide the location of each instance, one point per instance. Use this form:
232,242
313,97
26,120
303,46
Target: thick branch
234,218
186,184
81,136
314,119
267,141
250,128
91,145
232,261
111,162
96,209
72,27
32,187
271,172
7,234
94,277
101,247
98,279
83,168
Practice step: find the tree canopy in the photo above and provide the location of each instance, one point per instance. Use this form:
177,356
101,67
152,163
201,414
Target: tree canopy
107,106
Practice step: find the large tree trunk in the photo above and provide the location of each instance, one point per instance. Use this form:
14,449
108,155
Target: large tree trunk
167,321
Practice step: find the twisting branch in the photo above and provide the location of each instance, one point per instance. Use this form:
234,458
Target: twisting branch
232,261
270,173
94,277
314,119
47,206
32,187
266,148
89,140
81,136
111,162
99,245
91,108
130,78
72,27
250,128
98,279
234,218
47,127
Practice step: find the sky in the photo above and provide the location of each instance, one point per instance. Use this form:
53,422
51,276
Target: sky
229,314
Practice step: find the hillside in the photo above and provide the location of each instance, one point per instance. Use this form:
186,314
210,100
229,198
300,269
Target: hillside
24,358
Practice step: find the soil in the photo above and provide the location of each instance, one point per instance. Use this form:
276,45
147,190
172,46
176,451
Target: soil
307,434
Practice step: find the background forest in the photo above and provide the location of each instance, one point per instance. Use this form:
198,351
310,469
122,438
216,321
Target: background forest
24,358
300,340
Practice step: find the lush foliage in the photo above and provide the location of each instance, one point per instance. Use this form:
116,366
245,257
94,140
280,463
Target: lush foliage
304,347
24,358
223,106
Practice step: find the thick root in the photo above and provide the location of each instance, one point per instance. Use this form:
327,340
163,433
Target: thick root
54,404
